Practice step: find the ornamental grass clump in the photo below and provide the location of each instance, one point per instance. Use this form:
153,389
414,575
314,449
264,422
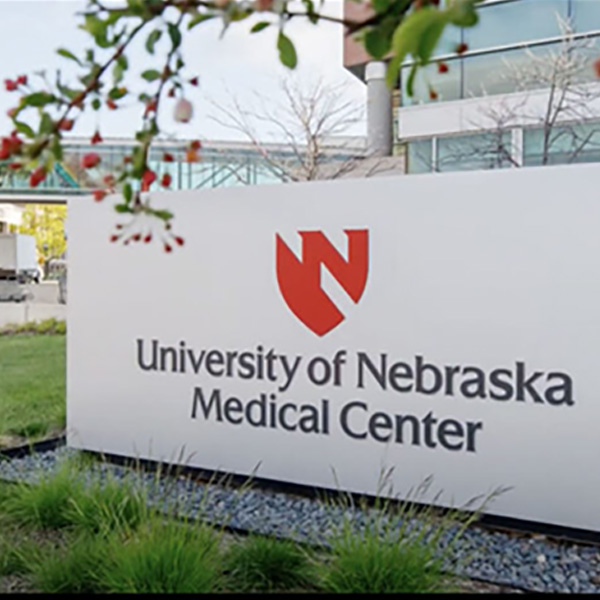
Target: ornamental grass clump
388,546
47,503
163,558
108,506
72,569
262,564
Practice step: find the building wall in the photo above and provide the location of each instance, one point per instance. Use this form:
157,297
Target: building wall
449,129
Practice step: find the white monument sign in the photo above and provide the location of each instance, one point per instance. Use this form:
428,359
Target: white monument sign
444,325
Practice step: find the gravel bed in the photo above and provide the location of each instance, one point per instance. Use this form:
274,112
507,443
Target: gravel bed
531,563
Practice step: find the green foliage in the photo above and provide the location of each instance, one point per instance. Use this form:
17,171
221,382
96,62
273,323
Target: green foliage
46,326
163,558
375,562
17,556
287,51
419,33
262,564
108,506
50,326
47,504
395,547
47,224
73,569
48,106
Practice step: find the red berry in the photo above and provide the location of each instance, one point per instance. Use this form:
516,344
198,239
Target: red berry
114,238
137,237
179,240
196,145
99,195
96,138
192,156
10,85
109,180
171,93
167,157
111,104
148,178
65,124
461,48
194,81
168,248
90,160
37,176
442,67
15,166
151,106
433,95
22,79
127,159
148,238
166,180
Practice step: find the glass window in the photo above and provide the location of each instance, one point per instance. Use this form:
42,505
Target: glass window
515,22
586,15
500,72
446,86
419,156
567,144
478,151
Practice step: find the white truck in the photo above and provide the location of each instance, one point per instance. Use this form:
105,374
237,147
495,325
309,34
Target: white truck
18,265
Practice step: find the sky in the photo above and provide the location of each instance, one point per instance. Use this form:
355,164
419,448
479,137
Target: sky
240,63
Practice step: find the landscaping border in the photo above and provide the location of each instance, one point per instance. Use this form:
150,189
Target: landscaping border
543,545
492,522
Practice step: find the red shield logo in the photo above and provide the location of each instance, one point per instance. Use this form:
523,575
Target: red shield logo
300,280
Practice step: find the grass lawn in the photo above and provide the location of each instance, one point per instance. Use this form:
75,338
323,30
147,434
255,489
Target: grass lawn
32,387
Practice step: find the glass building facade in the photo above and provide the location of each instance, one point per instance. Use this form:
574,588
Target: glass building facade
221,165
508,31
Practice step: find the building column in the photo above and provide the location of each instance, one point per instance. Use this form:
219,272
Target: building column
379,111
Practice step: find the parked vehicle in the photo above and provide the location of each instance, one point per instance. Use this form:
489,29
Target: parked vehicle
18,258
18,265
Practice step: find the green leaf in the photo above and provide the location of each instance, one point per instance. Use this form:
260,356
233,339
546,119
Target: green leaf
376,44
463,13
199,18
174,34
287,51
151,75
152,39
417,35
117,93
96,104
38,99
123,208
127,192
410,83
66,54
123,62
56,148
165,215
118,74
24,129
381,5
46,124
97,28
259,26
